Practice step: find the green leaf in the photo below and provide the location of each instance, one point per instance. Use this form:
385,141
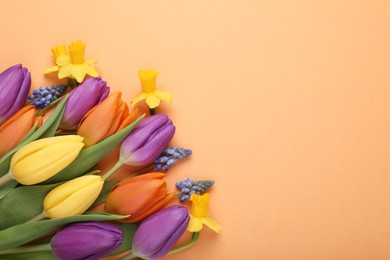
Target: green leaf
21,234
90,156
104,193
42,255
22,204
48,129
7,188
128,234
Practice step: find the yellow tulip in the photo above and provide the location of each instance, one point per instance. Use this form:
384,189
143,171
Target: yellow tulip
73,197
42,159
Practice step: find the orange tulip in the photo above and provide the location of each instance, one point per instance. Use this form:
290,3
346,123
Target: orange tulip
139,196
105,119
16,127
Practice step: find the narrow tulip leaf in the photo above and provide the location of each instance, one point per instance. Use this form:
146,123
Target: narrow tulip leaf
90,156
21,234
22,204
7,188
104,193
42,255
128,234
48,129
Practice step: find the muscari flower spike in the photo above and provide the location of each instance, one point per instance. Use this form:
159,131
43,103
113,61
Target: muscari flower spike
169,156
189,187
43,97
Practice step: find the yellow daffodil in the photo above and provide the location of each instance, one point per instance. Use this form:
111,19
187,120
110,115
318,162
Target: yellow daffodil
149,90
72,65
200,214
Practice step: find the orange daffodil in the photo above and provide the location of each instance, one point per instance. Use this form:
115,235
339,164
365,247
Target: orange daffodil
200,214
149,90
73,65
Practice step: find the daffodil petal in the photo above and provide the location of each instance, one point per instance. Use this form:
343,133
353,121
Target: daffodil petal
195,224
163,95
152,100
65,71
78,72
90,61
138,98
62,60
211,223
52,69
91,71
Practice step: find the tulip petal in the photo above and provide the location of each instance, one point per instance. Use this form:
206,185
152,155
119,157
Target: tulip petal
152,100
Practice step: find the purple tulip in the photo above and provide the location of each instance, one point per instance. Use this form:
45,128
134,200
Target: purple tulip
15,84
88,240
88,94
159,232
147,141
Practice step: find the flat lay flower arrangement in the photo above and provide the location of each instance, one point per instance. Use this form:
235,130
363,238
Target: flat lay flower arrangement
50,185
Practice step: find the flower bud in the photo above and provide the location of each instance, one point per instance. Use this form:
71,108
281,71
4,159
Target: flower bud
16,127
138,197
73,197
86,240
159,233
88,94
147,141
41,159
15,84
105,119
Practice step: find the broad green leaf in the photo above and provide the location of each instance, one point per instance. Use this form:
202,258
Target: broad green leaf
42,255
104,193
48,129
22,204
128,234
21,234
90,156
7,188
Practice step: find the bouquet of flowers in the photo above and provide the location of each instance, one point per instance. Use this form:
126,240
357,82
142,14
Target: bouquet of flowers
54,201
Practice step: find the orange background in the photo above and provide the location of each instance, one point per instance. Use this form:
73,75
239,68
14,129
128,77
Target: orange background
284,103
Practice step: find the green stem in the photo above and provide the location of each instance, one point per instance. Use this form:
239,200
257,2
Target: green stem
108,174
152,111
195,237
5,178
128,256
41,216
26,249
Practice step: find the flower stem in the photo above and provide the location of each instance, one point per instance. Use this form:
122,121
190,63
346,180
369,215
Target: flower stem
41,216
26,249
195,237
108,174
128,256
5,178
152,111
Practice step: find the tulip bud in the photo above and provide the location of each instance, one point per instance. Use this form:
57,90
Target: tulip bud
105,119
41,159
88,94
147,141
15,84
138,197
73,197
159,233
16,127
86,240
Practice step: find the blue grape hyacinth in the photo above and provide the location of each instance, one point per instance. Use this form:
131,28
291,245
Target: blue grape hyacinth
43,97
170,156
189,187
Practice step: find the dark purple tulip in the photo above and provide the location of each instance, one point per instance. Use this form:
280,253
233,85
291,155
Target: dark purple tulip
15,84
158,234
87,240
87,95
147,141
